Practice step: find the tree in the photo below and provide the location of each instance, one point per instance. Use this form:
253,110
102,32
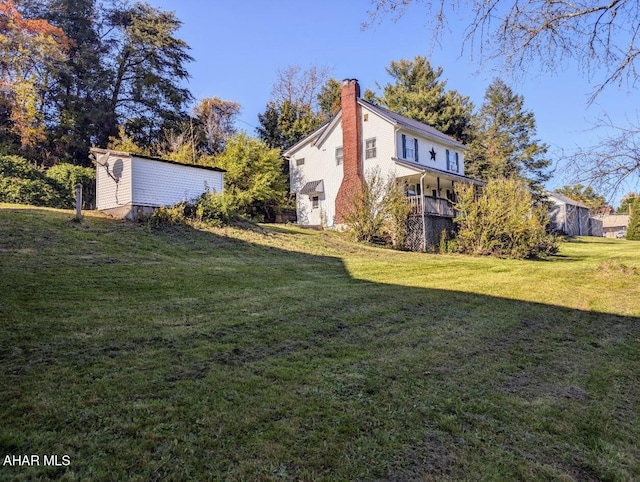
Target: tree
301,100
417,92
125,68
29,48
148,65
298,86
633,229
584,194
502,221
614,162
601,37
505,145
626,202
283,125
215,120
253,180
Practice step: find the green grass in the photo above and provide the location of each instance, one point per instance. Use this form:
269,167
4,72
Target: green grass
277,353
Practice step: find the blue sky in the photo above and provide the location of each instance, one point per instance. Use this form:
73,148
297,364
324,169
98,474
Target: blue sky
239,45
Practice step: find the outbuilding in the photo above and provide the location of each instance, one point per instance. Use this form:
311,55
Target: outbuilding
131,186
571,217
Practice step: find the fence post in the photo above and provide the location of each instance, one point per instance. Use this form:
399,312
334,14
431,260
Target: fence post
78,201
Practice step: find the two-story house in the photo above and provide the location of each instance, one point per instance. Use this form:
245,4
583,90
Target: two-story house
330,163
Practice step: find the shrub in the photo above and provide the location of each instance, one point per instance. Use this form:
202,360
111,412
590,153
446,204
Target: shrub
379,210
210,208
503,221
22,183
68,175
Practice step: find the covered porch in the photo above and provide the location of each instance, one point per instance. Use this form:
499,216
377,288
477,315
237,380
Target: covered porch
430,191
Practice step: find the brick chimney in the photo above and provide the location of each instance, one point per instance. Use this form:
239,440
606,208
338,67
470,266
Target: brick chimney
351,148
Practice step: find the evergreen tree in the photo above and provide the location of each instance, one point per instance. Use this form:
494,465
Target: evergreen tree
633,230
417,92
505,145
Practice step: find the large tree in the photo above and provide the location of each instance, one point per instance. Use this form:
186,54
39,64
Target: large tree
600,36
417,91
29,49
126,67
505,143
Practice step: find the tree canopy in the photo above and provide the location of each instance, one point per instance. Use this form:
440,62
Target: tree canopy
505,143
417,91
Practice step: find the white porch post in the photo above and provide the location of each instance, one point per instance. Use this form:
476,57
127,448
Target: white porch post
422,209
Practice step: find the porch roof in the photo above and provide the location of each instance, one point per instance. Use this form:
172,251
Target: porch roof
419,169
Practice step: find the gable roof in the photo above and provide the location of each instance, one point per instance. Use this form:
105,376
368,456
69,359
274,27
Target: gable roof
566,200
412,124
425,130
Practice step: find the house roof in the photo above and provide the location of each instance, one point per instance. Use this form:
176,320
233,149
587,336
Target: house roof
419,169
96,150
411,124
566,200
394,118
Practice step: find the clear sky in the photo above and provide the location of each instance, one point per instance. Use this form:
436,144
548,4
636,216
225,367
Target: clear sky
239,45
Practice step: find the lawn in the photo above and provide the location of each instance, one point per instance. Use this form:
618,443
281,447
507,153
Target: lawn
276,353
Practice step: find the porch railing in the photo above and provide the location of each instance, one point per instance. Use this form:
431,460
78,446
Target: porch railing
432,206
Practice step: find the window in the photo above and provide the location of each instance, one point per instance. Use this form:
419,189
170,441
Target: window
315,200
300,162
452,164
339,155
370,148
409,148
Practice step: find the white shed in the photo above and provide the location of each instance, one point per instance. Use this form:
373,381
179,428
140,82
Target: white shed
131,185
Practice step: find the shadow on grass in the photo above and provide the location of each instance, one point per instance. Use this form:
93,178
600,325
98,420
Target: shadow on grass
185,354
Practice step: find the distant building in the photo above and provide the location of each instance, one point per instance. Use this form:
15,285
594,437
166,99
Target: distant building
570,217
615,225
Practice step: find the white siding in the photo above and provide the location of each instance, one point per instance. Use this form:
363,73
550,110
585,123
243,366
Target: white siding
157,183
383,132
424,153
109,193
319,164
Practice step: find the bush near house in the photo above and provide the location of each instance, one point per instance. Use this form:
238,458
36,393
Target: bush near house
379,210
502,221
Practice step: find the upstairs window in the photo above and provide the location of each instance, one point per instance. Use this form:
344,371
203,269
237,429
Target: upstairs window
370,148
339,156
452,162
409,148
300,162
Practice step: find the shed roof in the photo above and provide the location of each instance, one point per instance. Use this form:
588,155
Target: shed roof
96,150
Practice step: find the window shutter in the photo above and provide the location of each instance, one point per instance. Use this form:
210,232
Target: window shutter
448,160
404,146
457,163
415,150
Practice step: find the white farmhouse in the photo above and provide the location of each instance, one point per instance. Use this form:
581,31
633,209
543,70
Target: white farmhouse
131,185
330,163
